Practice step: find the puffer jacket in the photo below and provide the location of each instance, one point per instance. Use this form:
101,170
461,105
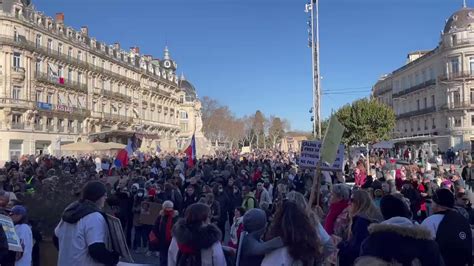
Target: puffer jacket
399,239
202,242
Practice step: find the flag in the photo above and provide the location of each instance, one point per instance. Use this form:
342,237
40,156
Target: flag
121,160
191,152
53,72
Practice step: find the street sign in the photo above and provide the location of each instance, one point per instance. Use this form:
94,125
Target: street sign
310,155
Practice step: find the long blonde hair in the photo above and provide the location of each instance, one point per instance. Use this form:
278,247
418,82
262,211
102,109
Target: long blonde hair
362,205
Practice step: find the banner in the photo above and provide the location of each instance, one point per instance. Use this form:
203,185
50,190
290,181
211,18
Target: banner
310,156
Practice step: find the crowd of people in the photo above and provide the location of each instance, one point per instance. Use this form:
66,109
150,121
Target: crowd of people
252,209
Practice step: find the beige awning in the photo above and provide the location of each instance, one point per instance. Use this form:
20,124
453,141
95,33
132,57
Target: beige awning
93,146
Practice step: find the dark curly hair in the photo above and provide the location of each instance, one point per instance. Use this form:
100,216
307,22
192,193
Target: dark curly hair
298,233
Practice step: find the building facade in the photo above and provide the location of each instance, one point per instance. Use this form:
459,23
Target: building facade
59,85
433,94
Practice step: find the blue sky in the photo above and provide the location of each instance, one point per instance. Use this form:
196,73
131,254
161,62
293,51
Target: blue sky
253,54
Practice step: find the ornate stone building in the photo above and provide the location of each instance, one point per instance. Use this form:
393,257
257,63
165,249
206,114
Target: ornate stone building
433,94
59,85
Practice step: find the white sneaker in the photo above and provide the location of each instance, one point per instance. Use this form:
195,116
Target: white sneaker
148,253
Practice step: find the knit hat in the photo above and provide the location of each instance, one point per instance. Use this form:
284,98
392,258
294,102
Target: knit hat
136,186
254,220
19,210
391,206
93,191
168,204
444,197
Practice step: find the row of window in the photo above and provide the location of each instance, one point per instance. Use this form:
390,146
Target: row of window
414,79
18,119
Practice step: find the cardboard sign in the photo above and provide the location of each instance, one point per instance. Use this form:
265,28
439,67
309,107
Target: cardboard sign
332,140
117,237
310,152
14,243
149,212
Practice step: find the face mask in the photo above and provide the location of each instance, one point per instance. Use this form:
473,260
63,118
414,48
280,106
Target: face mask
236,191
221,190
140,194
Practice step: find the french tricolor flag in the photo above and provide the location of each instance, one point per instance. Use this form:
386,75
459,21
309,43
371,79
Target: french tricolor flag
191,152
121,160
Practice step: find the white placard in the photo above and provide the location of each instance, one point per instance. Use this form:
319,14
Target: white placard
310,152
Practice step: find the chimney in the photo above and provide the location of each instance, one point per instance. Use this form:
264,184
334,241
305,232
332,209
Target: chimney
60,18
117,46
135,49
85,31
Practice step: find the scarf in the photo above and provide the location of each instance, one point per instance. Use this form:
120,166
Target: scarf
169,225
334,210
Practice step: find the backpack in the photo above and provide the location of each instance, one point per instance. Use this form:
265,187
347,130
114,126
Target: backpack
454,238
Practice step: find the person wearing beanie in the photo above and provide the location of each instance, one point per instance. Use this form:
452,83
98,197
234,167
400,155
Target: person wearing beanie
83,231
386,238
161,234
252,249
450,229
23,230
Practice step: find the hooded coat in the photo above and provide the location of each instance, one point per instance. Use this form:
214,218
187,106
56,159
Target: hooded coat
203,242
399,239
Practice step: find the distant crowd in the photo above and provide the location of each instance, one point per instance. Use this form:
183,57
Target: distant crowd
249,209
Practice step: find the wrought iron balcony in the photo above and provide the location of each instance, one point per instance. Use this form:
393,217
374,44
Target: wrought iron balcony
18,125
415,88
74,85
457,76
418,112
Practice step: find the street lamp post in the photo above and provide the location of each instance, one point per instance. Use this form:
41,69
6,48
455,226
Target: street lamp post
313,8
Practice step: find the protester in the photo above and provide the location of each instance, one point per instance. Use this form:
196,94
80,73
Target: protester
195,240
252,248
249,201
450,229
398,239
237,227
161,234
323,236
337,219
84,218
363,212
23,230
302,243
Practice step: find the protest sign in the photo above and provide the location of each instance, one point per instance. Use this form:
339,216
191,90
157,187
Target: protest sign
310,156
12,238
149,212
119,242
331,141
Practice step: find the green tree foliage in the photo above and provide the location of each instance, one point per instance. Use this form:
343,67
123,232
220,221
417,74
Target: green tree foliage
366,121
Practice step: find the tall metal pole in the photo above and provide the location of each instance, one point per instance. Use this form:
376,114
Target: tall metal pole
317,72
313,7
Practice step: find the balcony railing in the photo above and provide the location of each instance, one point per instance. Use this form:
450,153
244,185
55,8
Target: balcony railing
459,42
415,88
457,75
18,125
74,85
418,112
79,129
17,103
458,105
117,117
50,128
114,94
61,128
38,127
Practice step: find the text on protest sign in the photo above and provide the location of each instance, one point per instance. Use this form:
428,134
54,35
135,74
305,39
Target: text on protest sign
310,155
